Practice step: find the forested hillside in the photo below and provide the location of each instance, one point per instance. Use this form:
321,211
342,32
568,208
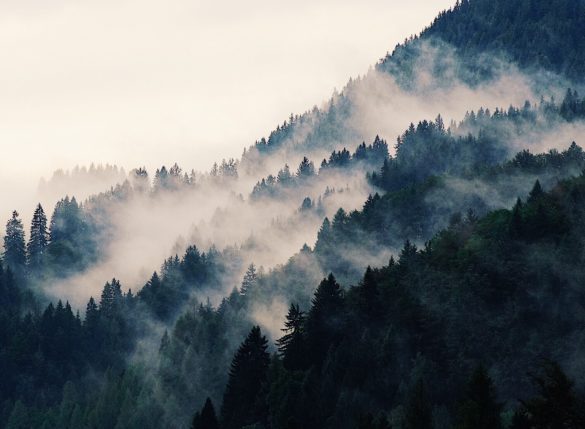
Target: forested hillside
337,275
535,34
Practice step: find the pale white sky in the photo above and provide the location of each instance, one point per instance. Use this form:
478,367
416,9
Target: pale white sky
145,82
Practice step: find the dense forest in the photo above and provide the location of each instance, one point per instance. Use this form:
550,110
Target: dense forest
328,278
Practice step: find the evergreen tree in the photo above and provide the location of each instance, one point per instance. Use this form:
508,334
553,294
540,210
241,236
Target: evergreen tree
71,246
249,280
291,345
520,421
91,315
284,176
111,298
557,405
306,168
325,322
370,422
206,418
368,297
39,238
479,409
242,403
418,410
536,192
193,265
14,247
324,236
516,221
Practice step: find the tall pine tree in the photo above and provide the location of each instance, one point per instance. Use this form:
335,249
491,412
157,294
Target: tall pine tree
39,238
291,345
14,247
249,280
326,319
419,414
242,402
479,409
206,418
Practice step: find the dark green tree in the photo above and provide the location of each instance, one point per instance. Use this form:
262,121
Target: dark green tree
206,418
556,405
368,301
91,316
72,245
536,192
479,409
14,247
39,238
242,401
193,265
306,168
111,298
250,279
418,413
370,422
291,345
326,319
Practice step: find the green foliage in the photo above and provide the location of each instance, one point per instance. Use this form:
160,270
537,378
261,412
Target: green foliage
534,34
496,286
165,294
242,401
72,244
206,419
38,241
484,290
418,413
14,247
479,409
292,345
556,404
365,156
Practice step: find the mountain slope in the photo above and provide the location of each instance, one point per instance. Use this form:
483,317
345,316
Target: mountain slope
498,290
533,34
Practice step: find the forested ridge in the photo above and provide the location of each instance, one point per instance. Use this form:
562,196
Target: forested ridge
448,293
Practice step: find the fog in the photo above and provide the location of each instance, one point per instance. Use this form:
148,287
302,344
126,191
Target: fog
147,83
148,228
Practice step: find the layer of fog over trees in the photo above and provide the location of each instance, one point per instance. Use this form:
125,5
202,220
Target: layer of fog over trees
423,141
221,211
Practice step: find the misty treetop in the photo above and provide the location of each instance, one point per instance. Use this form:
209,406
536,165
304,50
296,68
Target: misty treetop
364,157
437,337
66,245
14,245
111,328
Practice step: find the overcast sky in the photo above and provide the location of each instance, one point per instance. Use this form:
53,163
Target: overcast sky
145,82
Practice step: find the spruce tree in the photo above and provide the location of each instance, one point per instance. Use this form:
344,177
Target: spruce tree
306,168
325,322
479,409
291,345
206,418
368,300
91,315
111,298
39,238
536,192
556,405
249,280
418,410
14,247
242,404
193,265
